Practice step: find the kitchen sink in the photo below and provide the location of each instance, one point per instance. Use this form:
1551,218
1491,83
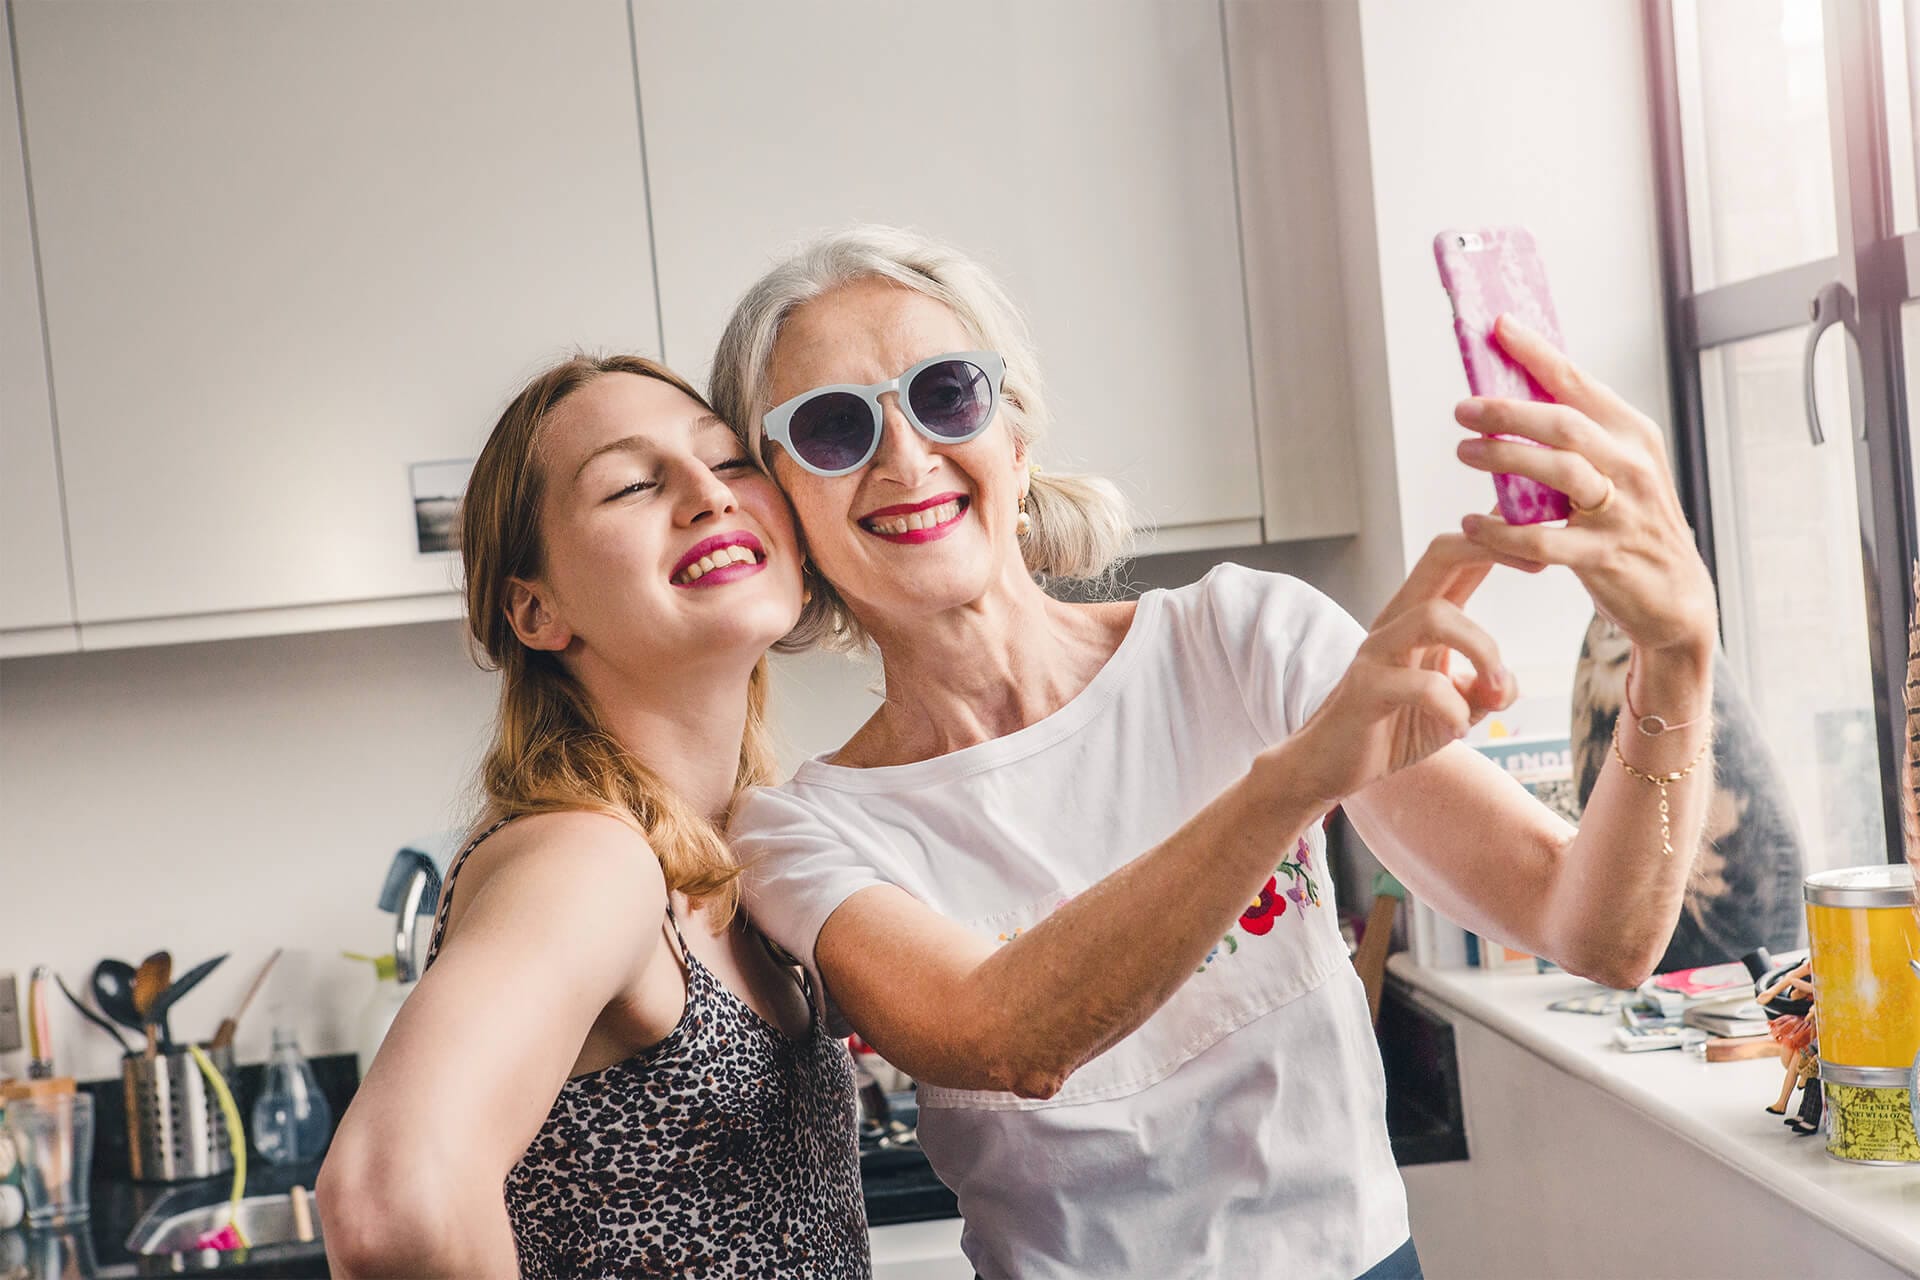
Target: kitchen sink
266,1221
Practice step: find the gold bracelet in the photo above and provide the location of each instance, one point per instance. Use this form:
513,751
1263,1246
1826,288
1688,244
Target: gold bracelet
1662,781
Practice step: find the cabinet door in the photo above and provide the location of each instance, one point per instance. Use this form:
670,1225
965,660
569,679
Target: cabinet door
1079,147
34,590
291,250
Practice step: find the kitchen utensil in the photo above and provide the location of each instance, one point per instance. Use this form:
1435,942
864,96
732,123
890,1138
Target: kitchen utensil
176,1128
150,981
39,1029
93,1017
236,1143
113,991
302,1213
157,1013
224,1036
54,1135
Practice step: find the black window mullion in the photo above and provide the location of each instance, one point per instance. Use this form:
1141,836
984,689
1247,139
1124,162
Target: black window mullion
1753,308
1871,267
1676,273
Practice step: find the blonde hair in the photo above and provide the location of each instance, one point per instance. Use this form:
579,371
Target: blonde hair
1080,525
551,752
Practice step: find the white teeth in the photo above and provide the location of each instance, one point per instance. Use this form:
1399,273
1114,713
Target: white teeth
737,553
927,519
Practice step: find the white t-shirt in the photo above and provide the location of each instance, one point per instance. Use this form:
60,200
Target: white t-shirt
1241,1130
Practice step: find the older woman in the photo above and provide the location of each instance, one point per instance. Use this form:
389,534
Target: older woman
1027,878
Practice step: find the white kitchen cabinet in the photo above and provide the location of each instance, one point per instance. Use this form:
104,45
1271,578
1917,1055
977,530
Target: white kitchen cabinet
1080,147
290,250
36,599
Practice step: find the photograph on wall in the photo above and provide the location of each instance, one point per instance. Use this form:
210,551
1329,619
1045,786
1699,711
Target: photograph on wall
437,487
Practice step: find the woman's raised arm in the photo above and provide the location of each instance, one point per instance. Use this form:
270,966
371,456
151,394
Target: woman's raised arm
953,1009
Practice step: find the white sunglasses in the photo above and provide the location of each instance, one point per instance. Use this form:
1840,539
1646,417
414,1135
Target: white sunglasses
833,431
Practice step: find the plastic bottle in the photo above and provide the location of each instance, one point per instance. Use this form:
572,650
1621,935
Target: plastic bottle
291,1118
382,1006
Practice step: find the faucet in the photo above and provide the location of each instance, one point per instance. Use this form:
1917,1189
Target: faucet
412,887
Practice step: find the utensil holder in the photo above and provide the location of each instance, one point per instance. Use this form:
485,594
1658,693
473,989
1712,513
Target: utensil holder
175,1128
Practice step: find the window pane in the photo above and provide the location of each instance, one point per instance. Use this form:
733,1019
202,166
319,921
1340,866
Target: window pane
1897,53
1787,536
1753,117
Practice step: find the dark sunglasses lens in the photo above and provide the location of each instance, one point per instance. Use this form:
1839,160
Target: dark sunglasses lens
832,431
952,398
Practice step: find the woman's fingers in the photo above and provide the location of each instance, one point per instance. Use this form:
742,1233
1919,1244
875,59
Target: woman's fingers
1451,568
1569,472
1562,379
1567,383
1426,635
1428,694
1540,544
1555,425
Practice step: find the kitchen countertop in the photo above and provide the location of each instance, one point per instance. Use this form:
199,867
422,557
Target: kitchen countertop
899,1185
1711,1106
118,1204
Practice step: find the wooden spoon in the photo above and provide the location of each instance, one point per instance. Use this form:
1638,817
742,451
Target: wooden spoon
150,981
224,1036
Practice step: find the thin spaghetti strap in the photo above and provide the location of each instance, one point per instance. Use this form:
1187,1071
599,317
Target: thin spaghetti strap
679,939
444,911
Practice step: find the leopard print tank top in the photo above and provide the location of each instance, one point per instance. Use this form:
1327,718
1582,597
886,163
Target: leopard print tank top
727,1149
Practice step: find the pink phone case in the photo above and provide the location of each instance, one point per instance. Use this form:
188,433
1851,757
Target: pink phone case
1486,273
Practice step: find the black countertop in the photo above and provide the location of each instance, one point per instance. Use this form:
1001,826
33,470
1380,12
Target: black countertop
899,1184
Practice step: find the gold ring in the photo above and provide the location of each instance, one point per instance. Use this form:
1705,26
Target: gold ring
1606,500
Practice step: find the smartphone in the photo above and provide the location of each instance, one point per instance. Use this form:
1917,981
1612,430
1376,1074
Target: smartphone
1486,273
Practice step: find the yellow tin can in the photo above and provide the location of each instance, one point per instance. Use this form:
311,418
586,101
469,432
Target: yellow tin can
1864,939
1870,1114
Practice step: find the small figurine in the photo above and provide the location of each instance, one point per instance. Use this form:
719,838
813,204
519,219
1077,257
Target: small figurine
1793,1022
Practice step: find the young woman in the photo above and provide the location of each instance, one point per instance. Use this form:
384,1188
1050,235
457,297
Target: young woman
605,1070
1070,875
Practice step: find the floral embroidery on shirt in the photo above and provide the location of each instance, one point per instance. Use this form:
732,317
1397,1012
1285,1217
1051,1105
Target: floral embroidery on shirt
1271,903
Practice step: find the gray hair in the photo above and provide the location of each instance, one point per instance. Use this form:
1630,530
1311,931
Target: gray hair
1080,525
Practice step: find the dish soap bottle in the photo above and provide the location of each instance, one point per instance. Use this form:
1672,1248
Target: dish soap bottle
291,1118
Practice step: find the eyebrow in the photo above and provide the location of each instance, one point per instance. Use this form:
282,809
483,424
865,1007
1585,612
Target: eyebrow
637,443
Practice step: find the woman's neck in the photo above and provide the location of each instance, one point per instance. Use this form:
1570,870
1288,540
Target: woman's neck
686,730
981,671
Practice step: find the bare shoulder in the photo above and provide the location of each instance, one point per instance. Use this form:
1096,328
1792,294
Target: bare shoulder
588,865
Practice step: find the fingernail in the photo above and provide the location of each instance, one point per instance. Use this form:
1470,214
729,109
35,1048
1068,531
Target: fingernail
1472,450
1469,411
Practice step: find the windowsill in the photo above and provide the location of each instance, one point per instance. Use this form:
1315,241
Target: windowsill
1718,1107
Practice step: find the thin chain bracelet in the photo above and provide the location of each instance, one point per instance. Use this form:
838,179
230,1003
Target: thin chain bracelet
1662,781
1653,726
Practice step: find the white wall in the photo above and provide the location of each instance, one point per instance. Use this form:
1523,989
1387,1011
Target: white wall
1474,113
248,794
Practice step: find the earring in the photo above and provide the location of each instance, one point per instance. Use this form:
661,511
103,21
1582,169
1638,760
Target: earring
1024,524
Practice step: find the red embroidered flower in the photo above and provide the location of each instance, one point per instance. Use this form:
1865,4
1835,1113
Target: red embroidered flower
1268,907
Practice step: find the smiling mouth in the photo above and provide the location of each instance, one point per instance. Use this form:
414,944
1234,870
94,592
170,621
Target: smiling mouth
720,560
930,520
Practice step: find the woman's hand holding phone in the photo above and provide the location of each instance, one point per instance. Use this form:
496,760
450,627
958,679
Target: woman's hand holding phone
1627,539
1400,701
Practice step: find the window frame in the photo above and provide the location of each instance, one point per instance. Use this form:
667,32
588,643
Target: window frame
1879,269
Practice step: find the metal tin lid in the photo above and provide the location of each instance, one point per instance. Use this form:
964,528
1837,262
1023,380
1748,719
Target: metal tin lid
1871,1077
1886,884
